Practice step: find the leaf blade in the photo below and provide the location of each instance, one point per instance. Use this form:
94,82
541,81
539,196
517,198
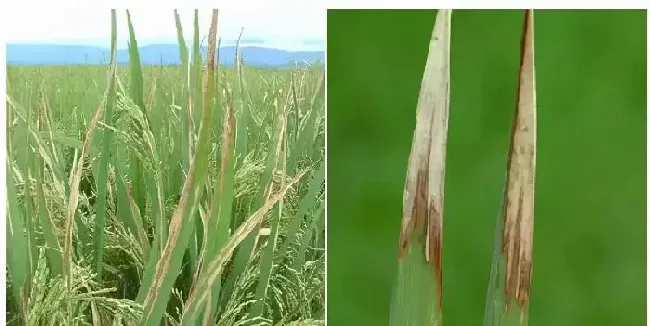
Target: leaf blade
510,279
418,295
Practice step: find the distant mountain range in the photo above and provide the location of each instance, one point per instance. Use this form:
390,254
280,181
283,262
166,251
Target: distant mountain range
165,54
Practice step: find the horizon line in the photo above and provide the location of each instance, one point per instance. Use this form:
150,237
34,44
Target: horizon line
307,45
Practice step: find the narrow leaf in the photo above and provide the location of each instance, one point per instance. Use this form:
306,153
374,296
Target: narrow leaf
17,262
158,280
73,199
306,203
102,176
214,267
242,119
266,265
137,96
509,292
418,297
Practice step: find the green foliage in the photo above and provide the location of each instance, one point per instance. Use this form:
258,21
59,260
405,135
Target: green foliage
132,183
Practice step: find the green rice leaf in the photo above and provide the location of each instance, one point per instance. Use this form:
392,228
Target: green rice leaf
137,96
17,245
102,176
306,203
266,264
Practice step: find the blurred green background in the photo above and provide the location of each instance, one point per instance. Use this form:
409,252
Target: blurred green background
590,227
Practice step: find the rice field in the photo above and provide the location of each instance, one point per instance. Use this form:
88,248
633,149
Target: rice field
170,195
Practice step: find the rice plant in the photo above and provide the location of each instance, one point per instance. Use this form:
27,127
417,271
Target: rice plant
417,299
172,195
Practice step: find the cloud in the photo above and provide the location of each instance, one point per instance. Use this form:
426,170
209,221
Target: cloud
91,25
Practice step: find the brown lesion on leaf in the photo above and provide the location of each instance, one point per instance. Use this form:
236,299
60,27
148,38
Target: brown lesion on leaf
423,194
426,215
519,211
420,211
517,284
517,249
434,244
176,222
420,204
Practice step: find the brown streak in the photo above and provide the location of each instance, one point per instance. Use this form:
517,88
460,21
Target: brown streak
162,266
420,212
420,204
435,245
514,254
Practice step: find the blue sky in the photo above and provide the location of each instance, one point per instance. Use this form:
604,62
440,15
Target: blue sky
300,28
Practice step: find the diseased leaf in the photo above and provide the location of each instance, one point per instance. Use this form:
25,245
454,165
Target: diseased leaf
158,281
417,300
77,171
509,291
198,298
